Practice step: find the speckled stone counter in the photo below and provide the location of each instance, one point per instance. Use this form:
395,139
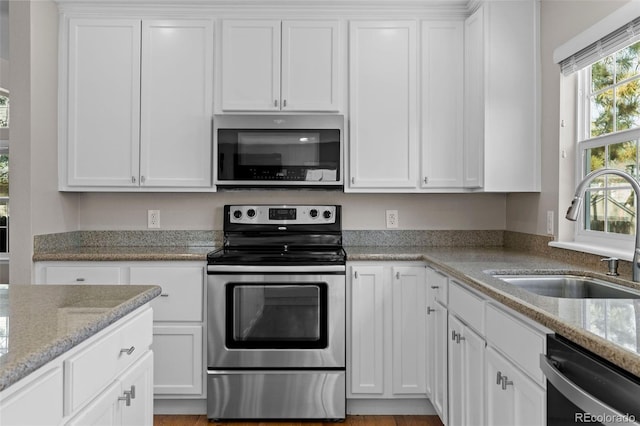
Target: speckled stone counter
567,317
124,253
44,322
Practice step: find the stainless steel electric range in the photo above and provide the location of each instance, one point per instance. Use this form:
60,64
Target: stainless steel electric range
276,314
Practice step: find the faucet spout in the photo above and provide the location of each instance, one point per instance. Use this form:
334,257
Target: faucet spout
574,209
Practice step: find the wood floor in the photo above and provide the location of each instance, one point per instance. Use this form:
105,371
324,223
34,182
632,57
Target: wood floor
350,421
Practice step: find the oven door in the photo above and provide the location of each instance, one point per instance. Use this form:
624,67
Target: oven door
276,319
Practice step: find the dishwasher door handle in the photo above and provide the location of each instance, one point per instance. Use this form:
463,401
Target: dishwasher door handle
583,400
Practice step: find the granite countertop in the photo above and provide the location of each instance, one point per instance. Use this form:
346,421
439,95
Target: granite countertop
583,321
43,322
125,253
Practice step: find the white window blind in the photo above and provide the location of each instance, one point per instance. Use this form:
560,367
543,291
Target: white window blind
605,46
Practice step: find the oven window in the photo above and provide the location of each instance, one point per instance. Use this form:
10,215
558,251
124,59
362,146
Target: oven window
279,316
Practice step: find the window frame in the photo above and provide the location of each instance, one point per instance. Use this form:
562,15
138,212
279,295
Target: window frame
584,142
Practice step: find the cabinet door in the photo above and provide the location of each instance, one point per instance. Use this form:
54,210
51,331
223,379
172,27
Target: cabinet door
473,346
367,330
440,383
178,367
456,373
442,101
383,105
474,99
251,65
310,66
409,294
104,410
466,375
103,103
177,103
138,380
519,402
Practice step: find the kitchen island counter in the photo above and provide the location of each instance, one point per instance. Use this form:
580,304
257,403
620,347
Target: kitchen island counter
564,316
43,322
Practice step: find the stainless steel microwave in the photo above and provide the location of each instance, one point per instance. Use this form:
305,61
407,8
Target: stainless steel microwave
278,151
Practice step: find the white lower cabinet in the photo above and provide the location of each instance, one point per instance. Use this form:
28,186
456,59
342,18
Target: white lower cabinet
387,328
482,358
512,397
178,350
43,390
128,401
94,383
178,315
466,375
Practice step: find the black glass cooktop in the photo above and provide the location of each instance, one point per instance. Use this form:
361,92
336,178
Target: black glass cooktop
277,256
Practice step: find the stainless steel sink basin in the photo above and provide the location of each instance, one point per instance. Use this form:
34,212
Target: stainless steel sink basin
570,286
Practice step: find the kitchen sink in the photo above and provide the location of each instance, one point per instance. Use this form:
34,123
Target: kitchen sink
569,286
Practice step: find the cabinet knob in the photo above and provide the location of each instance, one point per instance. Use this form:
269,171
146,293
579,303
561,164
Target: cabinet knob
435,287
275,102
426,180
164,295
142,179
429,310
453,335
133,179
353,180
133,392
284,103
499,378
397,275
459,338
355,274
128,351
80,279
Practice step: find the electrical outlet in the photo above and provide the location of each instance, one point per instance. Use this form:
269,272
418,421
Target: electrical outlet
392,218
550,222
153,218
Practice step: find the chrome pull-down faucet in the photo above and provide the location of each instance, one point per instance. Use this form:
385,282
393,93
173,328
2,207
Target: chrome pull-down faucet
574,208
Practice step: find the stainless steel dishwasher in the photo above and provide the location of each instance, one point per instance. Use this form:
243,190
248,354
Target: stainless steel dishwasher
583,388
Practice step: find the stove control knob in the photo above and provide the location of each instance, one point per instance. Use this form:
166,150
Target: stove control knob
313,213
237,214
251,213
327,214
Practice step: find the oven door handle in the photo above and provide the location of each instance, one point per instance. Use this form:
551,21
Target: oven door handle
255,269
583,400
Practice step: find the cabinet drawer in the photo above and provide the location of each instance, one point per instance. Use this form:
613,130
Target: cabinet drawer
467,306
518,341
91,370
182,291
82,275
438,286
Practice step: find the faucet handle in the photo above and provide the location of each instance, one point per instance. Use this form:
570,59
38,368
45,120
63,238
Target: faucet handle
612,263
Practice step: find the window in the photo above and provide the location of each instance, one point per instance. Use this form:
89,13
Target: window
609,137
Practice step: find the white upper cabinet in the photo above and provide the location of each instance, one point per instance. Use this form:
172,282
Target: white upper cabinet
136,104
103,103
502,136
177,103
383,105
442,76
273,65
